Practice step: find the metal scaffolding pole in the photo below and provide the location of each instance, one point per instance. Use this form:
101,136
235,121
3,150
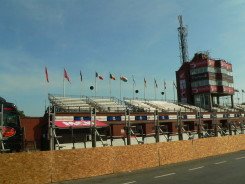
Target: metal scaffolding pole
179,125
156,121
199,124
93,127
51,127
128,126
214,122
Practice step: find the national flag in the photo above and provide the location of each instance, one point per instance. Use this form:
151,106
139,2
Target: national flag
112,77
133,80
145,82
124,79
46,74
155,83
98,76
81,76
66,76
164,85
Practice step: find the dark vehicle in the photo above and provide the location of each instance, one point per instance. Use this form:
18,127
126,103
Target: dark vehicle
11,134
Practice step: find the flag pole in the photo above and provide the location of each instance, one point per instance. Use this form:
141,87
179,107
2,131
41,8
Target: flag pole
110,84
120,88
165,94
46,86
133,86
155,88
95,86
165,91
64,84
81,79
242,96
174,91
81,91
155,91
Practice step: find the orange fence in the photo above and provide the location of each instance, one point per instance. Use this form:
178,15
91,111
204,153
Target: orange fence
55,166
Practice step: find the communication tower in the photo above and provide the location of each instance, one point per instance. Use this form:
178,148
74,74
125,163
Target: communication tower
183,41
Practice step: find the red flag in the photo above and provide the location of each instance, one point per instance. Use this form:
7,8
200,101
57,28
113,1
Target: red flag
66,76
124,79
99,76
46,74
112,77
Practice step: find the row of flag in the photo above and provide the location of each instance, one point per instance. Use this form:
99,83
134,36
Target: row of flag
111,76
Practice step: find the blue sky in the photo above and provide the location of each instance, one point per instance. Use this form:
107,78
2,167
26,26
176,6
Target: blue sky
124,37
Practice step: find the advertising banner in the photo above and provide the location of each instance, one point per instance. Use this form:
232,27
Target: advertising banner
79,124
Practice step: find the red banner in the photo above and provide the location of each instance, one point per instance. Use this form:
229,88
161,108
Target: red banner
79,124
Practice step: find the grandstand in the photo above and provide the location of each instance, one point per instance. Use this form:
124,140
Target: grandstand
84,104
192,107
167,106
139,105
69,104
109,104
112,104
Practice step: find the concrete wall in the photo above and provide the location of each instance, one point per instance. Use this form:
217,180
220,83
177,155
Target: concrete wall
54,166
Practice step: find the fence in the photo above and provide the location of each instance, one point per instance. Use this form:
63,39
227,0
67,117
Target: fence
55,166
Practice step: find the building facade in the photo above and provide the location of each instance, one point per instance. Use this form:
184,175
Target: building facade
203,80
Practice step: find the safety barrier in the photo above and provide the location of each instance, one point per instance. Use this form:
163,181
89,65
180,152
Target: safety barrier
55,166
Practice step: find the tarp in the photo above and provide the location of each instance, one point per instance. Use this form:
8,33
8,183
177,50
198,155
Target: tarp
78,124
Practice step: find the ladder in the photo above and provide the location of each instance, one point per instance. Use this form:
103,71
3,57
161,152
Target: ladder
100,137
134,135
221,131
190,134
166,135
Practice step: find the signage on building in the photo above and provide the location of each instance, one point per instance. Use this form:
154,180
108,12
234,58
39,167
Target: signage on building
79,124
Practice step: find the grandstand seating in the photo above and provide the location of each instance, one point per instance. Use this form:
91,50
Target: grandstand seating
109,104
192,107
140,105
102,104
150,106
167,106
70,104
240,107
85,103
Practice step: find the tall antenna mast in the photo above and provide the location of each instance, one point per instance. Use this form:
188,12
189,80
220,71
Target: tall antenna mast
184,57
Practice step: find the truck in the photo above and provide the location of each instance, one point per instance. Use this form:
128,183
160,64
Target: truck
11,133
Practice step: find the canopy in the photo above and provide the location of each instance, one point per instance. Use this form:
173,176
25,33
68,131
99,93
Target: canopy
78,124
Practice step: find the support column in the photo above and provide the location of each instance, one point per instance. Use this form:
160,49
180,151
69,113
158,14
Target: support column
218,100
156,119
232,102
210,102
179,124
229,123
93,128
199,124
214,122
128,126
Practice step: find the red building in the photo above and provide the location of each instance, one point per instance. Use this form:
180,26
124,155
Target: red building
203,80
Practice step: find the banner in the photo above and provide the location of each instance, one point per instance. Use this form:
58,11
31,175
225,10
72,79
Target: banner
79,124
